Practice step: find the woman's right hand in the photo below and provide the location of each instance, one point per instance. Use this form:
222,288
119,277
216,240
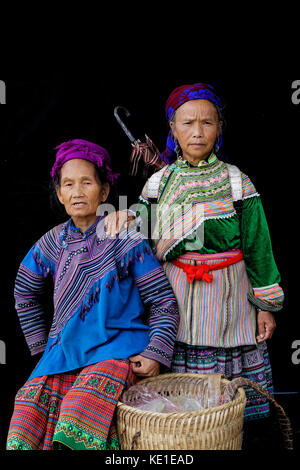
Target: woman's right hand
115,221
266,325
144,367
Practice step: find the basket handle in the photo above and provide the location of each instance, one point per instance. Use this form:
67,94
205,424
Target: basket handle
284,422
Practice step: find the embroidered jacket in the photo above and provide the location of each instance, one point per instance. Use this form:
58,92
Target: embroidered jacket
103,290
218,228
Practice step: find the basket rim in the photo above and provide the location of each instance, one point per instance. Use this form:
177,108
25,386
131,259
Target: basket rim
236,401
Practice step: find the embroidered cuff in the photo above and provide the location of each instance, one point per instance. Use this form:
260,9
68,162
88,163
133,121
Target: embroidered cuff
37,347
269,298
158,352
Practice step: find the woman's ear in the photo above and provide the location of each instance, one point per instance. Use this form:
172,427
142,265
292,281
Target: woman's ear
104,192
172,126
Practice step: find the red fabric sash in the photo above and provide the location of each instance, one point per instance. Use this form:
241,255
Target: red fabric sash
201,272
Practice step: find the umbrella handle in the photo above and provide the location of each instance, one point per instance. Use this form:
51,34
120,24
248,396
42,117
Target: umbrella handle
125,129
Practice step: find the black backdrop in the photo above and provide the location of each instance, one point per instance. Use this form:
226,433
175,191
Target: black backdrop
261,137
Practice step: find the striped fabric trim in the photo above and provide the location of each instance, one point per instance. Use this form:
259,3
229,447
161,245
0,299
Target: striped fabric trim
154,287
248,187
144,196
163,324
50,244
214,314
267,306
193,256
269,298
269,292
211,159
28,287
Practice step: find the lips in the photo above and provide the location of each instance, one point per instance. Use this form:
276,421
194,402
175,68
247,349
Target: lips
78,204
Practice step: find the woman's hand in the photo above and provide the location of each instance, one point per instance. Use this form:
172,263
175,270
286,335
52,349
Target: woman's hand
144,367
115,221
266,326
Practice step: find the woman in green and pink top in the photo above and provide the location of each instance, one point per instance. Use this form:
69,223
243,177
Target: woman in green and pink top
219,262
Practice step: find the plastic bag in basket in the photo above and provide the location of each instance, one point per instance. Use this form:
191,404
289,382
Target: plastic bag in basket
146,399
208,396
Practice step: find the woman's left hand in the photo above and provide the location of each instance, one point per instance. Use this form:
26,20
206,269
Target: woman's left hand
266,326
144,367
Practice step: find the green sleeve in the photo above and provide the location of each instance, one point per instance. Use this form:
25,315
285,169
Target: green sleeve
256,244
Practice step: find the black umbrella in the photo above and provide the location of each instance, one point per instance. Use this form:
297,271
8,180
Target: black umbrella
147,152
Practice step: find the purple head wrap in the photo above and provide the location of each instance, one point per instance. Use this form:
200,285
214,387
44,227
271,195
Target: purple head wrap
179,96
85,150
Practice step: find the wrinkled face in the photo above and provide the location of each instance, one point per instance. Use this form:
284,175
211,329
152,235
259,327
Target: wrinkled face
196,128
80,190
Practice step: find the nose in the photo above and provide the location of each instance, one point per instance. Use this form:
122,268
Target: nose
77,190
198,130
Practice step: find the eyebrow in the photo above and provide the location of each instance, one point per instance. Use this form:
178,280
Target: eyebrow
205,118
67,178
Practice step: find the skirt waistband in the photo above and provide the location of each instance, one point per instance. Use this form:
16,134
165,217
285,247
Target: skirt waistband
194,256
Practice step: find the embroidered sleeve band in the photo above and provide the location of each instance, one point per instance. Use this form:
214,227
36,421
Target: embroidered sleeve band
28,287
269,298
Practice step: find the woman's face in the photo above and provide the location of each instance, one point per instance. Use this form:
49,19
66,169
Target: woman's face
80,190
196,129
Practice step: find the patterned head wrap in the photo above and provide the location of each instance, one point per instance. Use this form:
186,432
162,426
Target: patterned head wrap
179,96
86,150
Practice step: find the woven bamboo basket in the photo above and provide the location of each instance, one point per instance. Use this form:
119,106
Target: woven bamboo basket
220,427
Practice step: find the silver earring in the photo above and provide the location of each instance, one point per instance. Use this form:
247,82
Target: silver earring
177,149
217,145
